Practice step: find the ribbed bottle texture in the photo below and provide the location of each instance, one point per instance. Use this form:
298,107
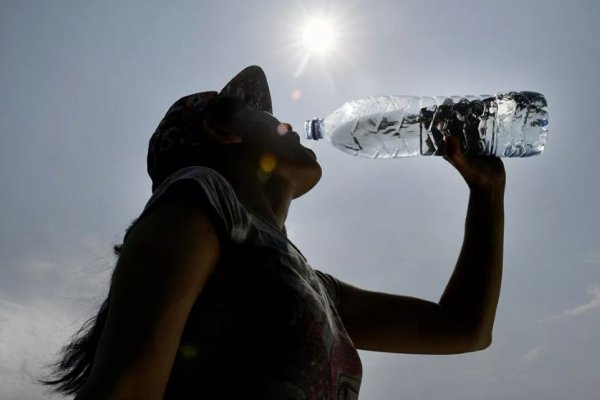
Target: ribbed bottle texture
513,124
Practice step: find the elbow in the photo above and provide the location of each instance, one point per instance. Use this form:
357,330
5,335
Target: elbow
471,336
468,346
482,345
479,341
471,340
477,334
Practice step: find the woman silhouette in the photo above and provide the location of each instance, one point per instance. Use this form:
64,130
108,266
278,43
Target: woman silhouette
210,299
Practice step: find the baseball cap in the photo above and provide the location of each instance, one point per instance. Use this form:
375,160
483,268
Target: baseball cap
177,137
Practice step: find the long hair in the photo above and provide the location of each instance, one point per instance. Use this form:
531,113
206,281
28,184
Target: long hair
76,358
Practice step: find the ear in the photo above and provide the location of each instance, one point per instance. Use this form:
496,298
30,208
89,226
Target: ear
217,134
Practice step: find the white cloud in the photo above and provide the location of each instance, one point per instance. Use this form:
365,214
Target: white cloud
43,301
594,292
594,302
30,336
532,354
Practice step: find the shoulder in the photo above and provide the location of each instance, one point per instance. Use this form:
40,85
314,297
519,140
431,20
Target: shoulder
173,224
331,285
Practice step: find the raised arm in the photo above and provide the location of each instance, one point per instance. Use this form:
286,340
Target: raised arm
165,263
463,318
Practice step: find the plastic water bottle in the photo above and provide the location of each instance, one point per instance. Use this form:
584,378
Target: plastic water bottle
513,124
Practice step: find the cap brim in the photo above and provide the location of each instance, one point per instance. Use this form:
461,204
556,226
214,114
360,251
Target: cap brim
251,86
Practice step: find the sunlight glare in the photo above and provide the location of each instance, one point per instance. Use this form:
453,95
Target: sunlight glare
322,38
319,35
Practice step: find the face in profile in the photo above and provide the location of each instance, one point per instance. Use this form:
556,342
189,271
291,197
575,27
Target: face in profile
277,148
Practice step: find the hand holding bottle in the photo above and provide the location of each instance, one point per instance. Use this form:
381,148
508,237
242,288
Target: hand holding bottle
480,172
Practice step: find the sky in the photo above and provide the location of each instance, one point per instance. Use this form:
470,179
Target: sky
84,84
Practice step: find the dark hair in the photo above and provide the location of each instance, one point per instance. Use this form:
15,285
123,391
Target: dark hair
192,149
76,358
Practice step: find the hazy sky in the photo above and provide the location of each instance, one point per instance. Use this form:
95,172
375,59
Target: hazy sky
83,85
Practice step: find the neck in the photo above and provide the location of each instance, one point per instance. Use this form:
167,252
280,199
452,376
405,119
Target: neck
270,199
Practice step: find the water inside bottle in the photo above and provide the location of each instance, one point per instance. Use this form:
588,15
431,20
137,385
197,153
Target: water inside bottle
382,135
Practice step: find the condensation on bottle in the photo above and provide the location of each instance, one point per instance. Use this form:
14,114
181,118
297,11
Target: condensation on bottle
513,124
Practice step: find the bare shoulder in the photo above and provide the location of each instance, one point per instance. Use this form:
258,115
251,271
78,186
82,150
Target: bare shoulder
176,238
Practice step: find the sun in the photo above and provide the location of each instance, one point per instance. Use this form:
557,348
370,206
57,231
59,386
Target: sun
319,35
326,38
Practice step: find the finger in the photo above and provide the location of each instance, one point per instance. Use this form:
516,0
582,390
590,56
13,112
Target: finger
454,152
448,150
451,146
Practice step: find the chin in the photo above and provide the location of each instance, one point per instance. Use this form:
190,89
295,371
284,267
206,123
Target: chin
308,178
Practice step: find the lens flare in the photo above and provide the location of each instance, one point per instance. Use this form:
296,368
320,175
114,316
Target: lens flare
267,162
188,351
296,94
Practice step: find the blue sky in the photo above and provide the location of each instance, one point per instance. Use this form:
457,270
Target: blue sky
84,84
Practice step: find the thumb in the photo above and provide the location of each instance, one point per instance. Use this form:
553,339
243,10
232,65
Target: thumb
452,147
453,151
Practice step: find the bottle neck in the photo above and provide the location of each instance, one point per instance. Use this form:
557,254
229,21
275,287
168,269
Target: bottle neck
314,128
